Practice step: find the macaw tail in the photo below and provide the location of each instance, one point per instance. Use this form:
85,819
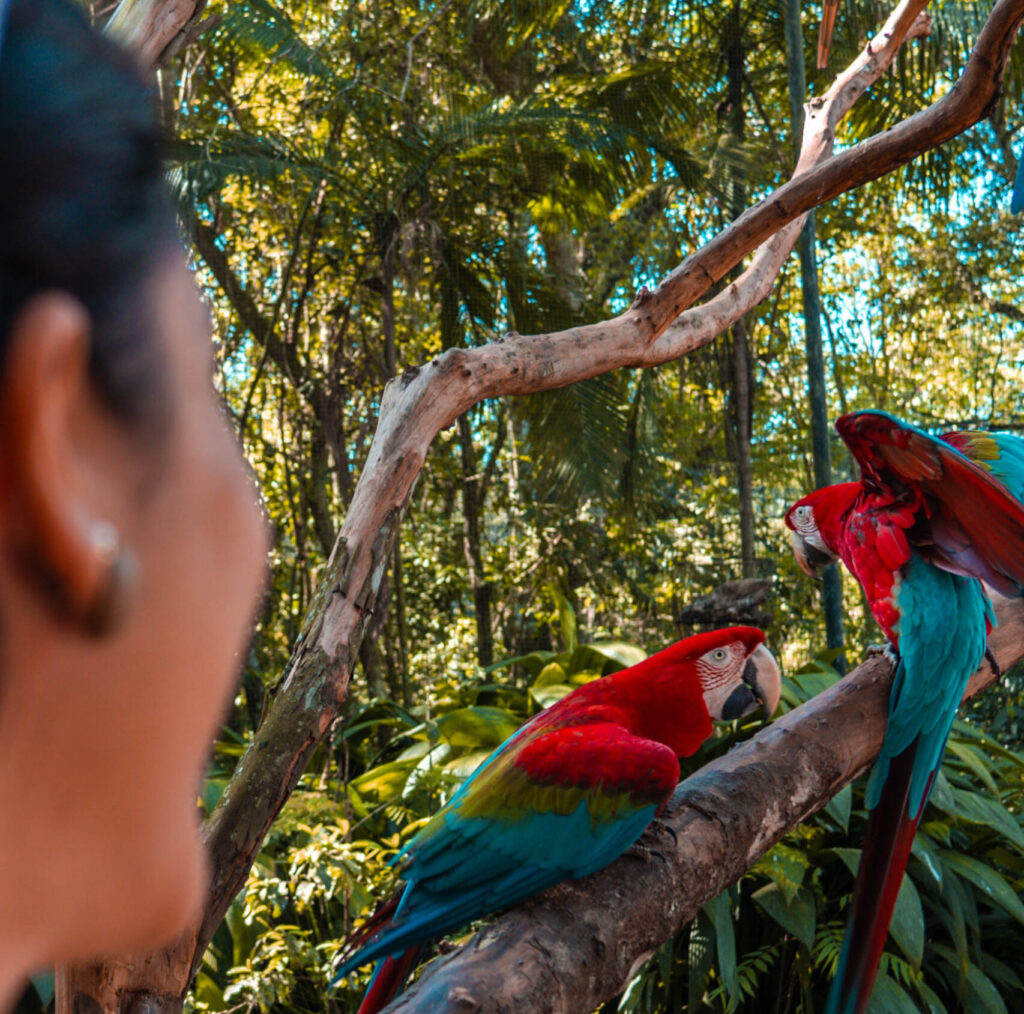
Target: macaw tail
390,973
887,841
388,978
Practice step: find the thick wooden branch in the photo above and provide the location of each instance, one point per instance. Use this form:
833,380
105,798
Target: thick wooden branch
575,946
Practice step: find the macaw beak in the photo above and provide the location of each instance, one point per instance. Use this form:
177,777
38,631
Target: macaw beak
761,687
810,558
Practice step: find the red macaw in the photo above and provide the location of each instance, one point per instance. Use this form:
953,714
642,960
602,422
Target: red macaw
565,795
928,521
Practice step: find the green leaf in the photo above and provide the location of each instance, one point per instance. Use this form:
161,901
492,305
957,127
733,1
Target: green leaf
907,926
796,916
983,997
552,673
840,805
786,866
987,880
534,662
477,726
546,696
981,809
699,958
974,760
888,997
720,913
462,767
385,780
621,653
851,857
926,851
932,1004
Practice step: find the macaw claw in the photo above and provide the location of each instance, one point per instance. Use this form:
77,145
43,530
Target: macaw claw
886,651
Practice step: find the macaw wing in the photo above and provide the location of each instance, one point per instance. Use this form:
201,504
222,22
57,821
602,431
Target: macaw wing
557,804
1000,454
562,796
973,526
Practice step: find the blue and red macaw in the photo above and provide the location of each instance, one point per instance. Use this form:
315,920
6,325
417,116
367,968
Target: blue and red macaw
565,795
928,522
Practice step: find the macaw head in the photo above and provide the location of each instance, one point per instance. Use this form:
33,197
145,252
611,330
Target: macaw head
816,523
737,673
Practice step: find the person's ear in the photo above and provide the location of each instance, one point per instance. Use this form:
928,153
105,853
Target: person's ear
57,535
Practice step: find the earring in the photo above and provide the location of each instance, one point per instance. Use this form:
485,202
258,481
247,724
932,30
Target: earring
120,570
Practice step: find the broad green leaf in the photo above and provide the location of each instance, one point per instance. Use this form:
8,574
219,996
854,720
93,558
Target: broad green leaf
786,866
477,726
385,780
578,679
552,673
796,916
971,757
621,653
983,996
907,926
546,696
566,617
988,880
720,913
851,857
932,1004
889,997
1001,972
925,850
942,794
462,767
981,809
534,662
699,956
840,805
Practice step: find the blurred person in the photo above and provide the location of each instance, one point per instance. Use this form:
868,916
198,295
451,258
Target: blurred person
131,545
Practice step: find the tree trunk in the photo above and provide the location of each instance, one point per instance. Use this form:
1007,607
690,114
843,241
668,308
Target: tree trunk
657,328
471,509
832,588
742,395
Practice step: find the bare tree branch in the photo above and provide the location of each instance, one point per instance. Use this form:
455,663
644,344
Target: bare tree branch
573,947
156,29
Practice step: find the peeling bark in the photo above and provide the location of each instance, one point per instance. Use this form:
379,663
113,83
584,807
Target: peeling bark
657,328
155,29
577,945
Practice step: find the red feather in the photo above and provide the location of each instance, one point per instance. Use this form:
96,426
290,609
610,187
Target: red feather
388,981
975,527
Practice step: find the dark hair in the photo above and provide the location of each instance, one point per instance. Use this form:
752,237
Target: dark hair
83,205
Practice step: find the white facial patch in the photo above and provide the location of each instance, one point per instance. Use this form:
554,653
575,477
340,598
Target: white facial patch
807,528
720,670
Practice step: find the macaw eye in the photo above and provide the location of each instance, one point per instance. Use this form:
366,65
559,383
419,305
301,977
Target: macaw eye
719,654
802,512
